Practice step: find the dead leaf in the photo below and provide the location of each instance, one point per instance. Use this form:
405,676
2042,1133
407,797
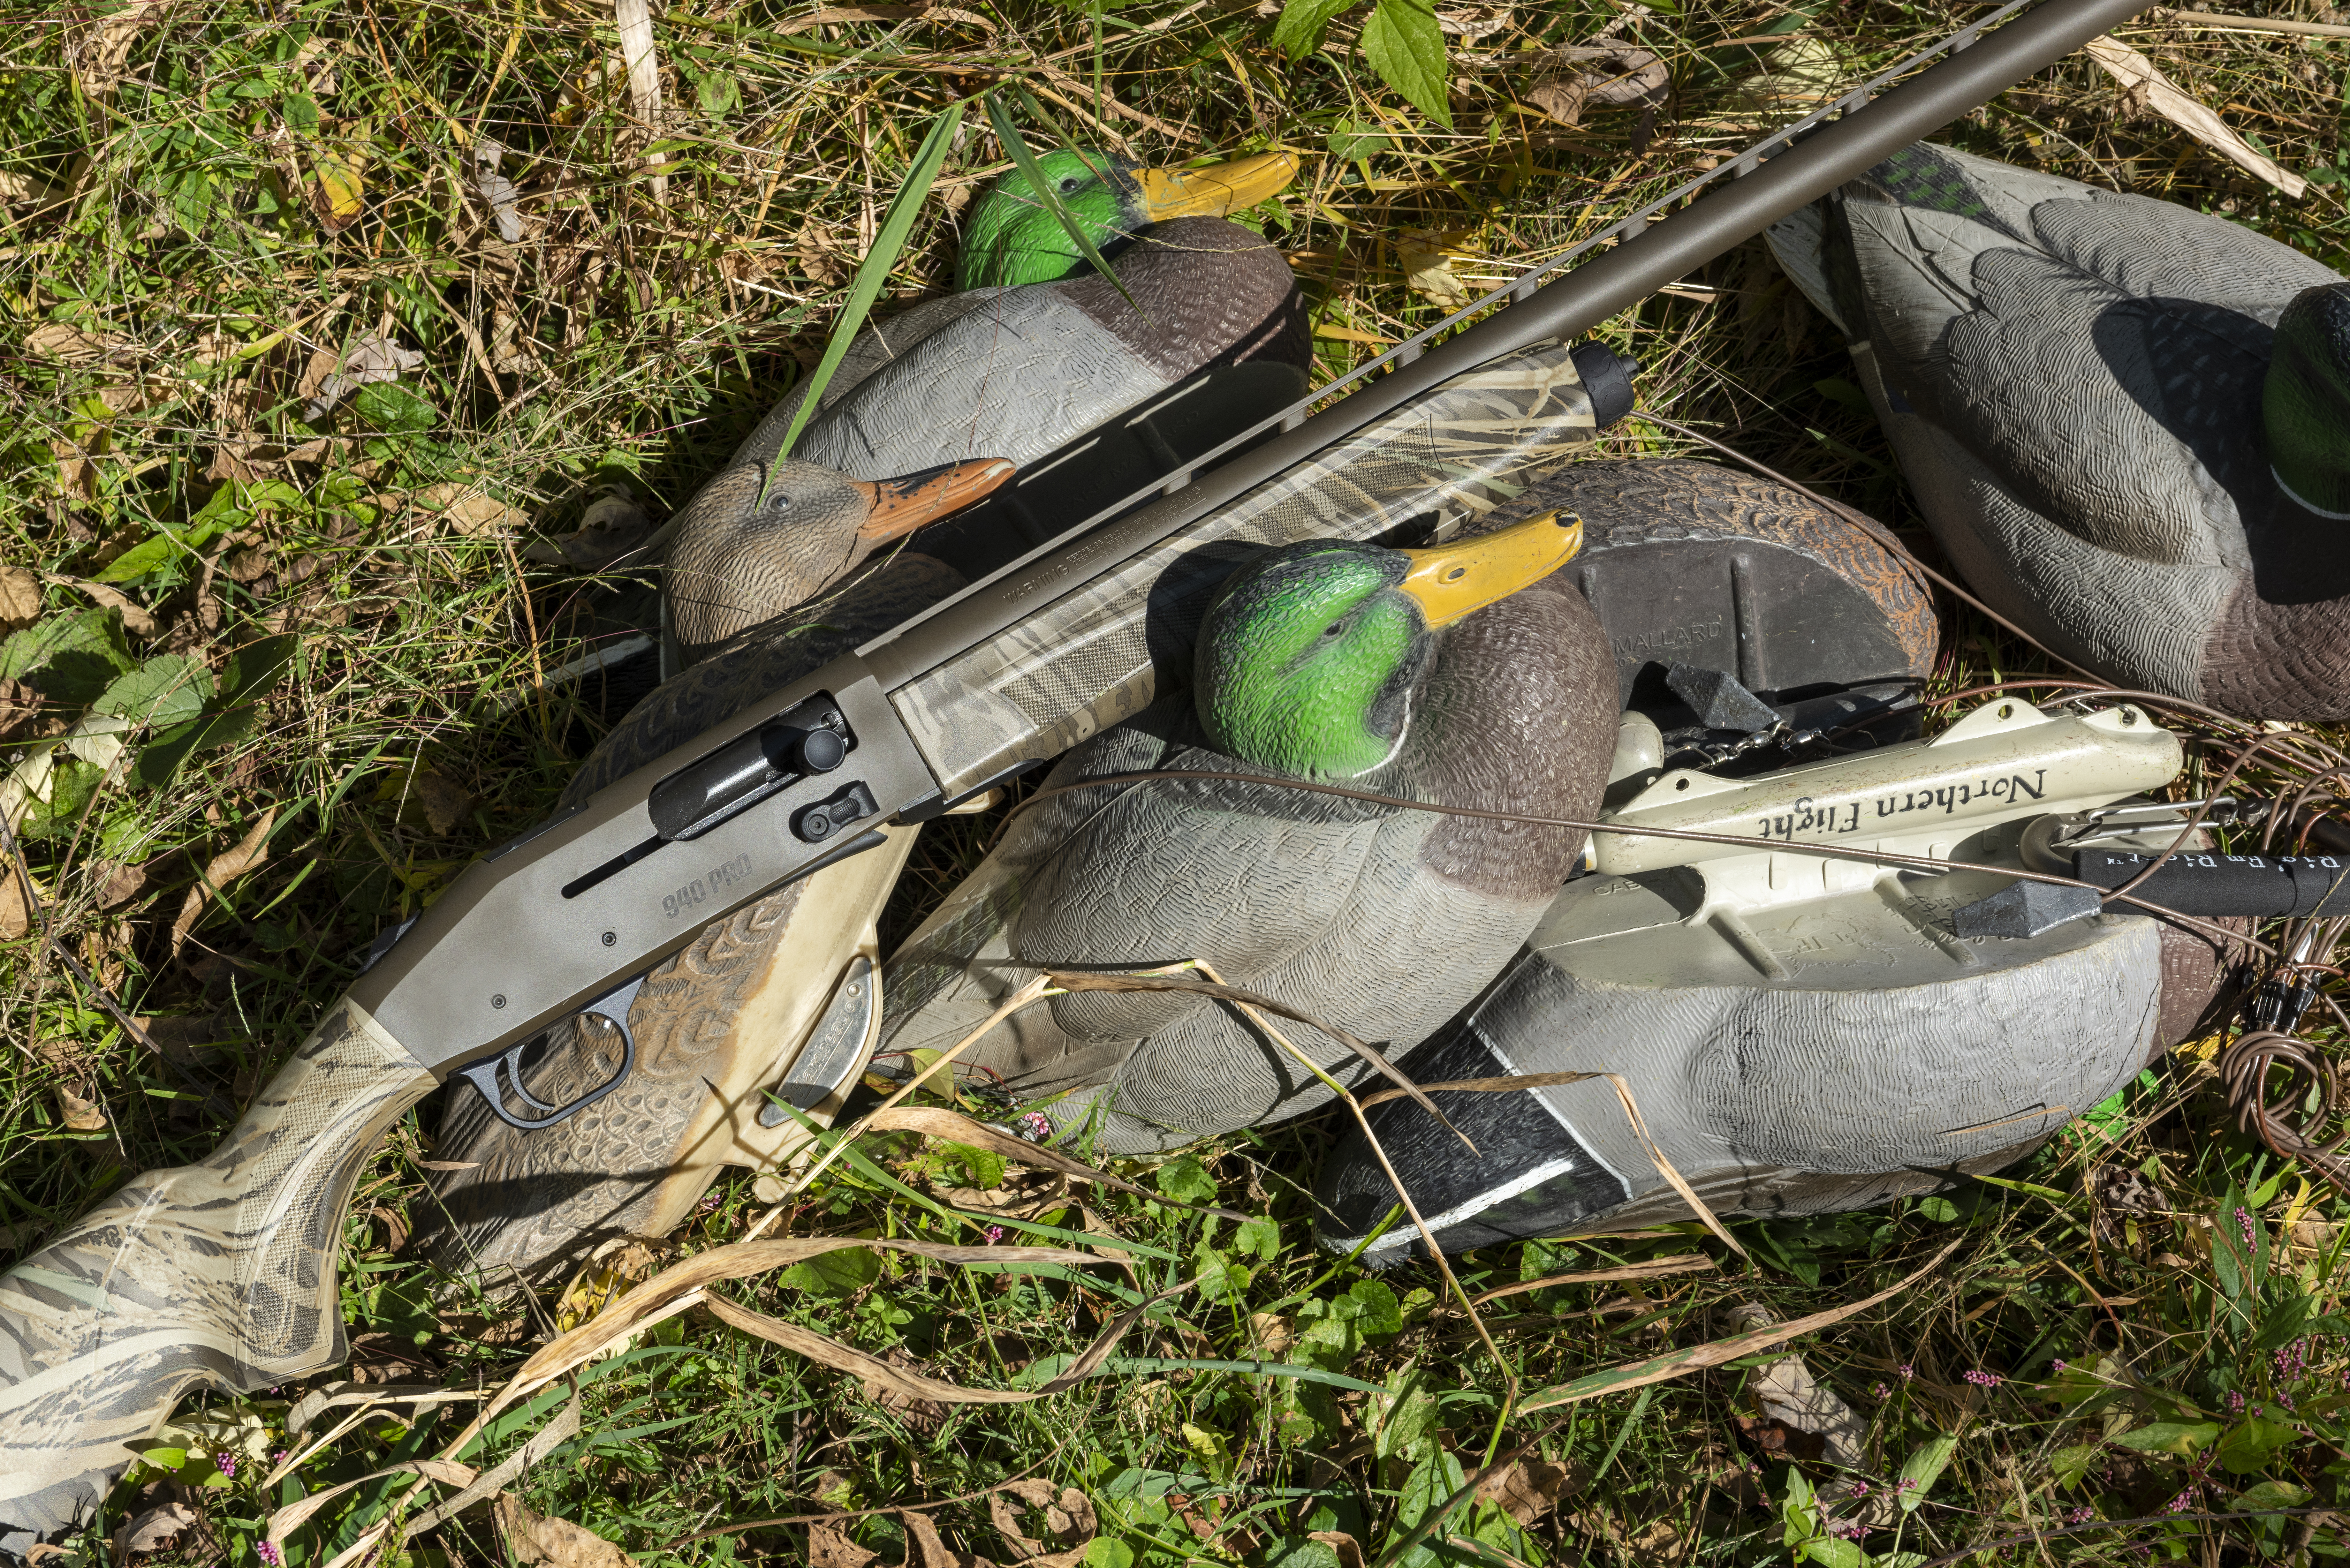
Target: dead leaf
1527,1490
2144,86
20,597
374,358
62,340
472,511
2118,1195
818,256
1272,1334
830,15
1349,1550
20,705
135,619
612,526
155,1526
1469,23
445,805
497,191
249,852
100,49
1425,257
828,1547
15,910
80,1115
1581,76
337,188
535,1538
181,1036
924,1549
1069,1519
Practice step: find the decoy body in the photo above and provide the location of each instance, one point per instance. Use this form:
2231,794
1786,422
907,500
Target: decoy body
1346,663
782,999
1801,1035
1016,373
2124,420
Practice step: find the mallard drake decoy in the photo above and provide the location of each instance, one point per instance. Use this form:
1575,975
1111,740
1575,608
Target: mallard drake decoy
1012,238
1208,336
1801,1035
1343,662
2121,416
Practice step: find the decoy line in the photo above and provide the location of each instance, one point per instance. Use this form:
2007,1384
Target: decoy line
1524,286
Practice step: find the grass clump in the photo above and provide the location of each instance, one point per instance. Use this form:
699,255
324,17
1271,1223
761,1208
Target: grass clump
302,649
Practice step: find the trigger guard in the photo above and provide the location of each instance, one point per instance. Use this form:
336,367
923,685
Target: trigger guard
613,1008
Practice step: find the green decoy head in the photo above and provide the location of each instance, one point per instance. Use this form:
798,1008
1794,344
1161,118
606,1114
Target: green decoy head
1012,238
1310,656
2306,406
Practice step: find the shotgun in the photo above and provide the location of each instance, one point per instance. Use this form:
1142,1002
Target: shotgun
222,1273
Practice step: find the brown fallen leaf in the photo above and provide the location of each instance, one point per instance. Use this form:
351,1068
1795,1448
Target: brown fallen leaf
1425,257
925,1549
443,803
100,49
157,1521
1527,1490
180,1036
20,705
135,619
249,852
1068,1513
1349,1550
1469,23
535,1538
2145,88
612,526
374,358
2116,1196
828,1547
1578,77
80,1115
15,910
20,597
471,510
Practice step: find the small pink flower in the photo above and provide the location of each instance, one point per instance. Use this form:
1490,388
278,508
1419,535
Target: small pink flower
2235,1401
1983,1379
1037,1125
1860,1488
225,1462
270,1554
993,1234
1877,1390
2080,1516
2056,1367
2244,1223
1908,1371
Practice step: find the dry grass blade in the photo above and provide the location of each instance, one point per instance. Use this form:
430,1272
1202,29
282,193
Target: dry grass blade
956,1127
543,1442
1647,1269
1696,1358
290,1518
2145,85
674,1289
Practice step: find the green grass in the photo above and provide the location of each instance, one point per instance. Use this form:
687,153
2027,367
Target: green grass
167,278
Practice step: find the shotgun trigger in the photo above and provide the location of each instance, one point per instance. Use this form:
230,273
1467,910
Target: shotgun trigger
613,1008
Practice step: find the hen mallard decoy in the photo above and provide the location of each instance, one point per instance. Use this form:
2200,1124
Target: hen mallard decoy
1470,673
2122,418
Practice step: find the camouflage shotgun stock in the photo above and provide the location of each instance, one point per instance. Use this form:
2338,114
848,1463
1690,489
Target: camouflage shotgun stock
222,1273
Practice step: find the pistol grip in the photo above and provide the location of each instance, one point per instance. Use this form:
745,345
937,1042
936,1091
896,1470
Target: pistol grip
218,1273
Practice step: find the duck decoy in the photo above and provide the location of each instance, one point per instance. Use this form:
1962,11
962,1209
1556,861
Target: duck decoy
1467,673
782,1000
1800,1034
1012,238
1095,388
2122,418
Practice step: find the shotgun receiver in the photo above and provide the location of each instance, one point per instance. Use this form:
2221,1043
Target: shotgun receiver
224,1272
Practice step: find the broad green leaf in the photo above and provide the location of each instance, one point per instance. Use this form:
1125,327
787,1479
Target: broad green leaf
717,91
1937,1208
2251,1443
833,1273
169,689
1354,139
1834,1551
1102,1552
164,752
72,781
2286,1320
2271,1494
2184,1438
392,409
70,658
1299,29
1403,1412
1404,45
157,550
1376,1309
1923,1468
1186,1180
888,241
1435,1478
2069,1465
256,668
1260,1235
1220,1278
